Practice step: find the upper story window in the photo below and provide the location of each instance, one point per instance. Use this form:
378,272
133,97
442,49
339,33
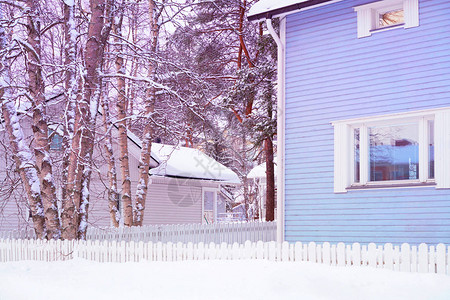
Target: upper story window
386,14
394,150
390,16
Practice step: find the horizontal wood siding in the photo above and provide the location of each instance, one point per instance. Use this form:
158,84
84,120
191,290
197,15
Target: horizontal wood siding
333,75
169,200
174,203
14,213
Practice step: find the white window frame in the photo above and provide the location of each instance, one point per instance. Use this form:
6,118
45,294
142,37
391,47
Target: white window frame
215,191
344,150
368,14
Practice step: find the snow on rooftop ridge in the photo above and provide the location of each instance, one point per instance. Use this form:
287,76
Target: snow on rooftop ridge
264,6
260,171
190,163
186,162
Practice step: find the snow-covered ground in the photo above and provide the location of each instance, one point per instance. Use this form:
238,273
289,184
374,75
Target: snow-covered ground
252,279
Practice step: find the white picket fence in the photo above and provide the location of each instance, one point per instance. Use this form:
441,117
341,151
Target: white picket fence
195,233
424,258
217,233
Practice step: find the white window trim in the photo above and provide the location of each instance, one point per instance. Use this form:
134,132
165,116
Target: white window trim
344,155
367,16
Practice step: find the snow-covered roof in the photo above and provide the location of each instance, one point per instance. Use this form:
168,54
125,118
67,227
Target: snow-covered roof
268,8
259,171
186,162
190,163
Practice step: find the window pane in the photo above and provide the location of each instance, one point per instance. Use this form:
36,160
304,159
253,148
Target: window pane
55,141
431,149
209,200
356,150
208,211
392,17
394,152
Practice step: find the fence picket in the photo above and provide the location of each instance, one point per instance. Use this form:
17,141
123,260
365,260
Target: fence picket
169,251
396,258
285,251
212,251
298,251
348,255
159,251
235,254
333,255
414,259
272,251
248,252
312,252
405,258
380,256
122,251
432,260
356,254
259,250
388,256
423,258
340,254
319,253
372,255
179,251
440,259
326,253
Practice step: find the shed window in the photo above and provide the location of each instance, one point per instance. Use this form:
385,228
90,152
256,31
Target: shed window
395,150
56,140
209,215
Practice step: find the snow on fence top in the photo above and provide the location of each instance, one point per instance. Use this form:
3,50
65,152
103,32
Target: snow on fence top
422,259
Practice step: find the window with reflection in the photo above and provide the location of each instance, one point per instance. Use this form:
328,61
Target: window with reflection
391,18
431,149
356,156
394,152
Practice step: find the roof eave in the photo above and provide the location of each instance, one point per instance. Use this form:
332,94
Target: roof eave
283,10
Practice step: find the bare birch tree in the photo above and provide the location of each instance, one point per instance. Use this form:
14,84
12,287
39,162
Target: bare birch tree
22,153
40,126
80,162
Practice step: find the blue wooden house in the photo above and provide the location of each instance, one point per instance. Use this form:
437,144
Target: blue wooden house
364,119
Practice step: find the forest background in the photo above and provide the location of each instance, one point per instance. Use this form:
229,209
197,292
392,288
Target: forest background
189,73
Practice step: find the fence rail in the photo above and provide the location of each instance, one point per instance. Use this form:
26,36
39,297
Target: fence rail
195,233
221,232
423,259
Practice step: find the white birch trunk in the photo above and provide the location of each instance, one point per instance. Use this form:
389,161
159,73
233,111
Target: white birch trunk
40,127
122,109
141,190
98,32
22,153
70,36
113,199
